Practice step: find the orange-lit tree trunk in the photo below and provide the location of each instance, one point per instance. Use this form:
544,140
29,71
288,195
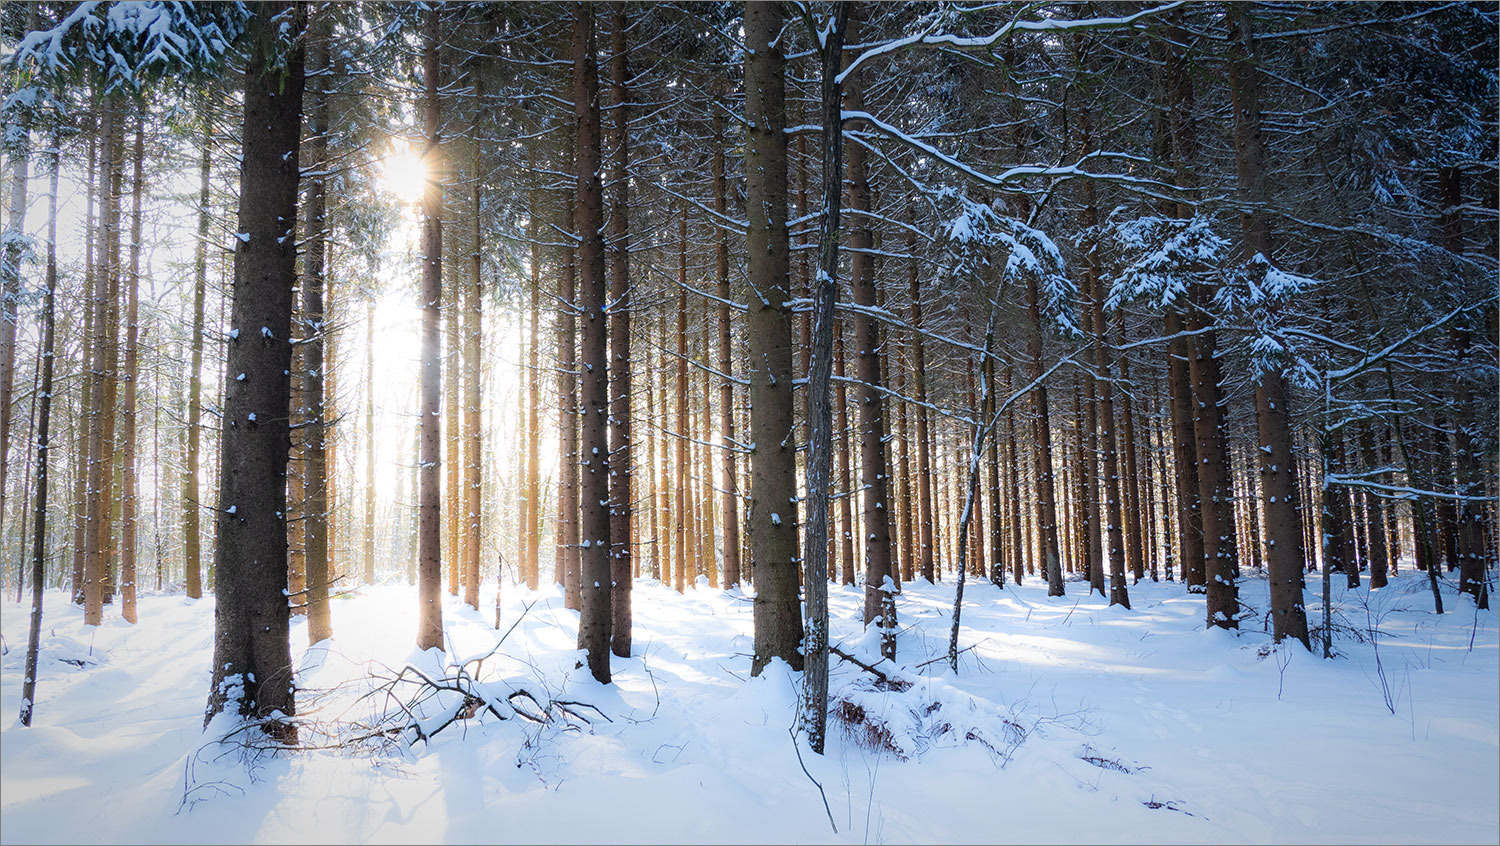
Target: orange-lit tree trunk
429,474
731,491
316,500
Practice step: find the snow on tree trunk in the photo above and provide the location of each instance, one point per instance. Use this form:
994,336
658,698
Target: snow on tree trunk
773,478
252,665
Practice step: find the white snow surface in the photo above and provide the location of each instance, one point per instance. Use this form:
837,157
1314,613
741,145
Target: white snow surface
1067,722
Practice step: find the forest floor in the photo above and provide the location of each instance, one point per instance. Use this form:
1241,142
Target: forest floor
1068,721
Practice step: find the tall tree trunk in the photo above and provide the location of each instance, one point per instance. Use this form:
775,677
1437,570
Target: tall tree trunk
429,475
1013,483
1088,517
1377,543
531,569
1185,457
621,460
472,509
1046,503
1272,415
594,527
905,495
109,490
43,450
1215,491
1137,519
682,562
252,664
191,532
129,486
996,562
731,492
845,480
820,371
773,482
569,412
370,443
1113,535
84,429
18,149
924,435
879,581
453,425
96,500
315,464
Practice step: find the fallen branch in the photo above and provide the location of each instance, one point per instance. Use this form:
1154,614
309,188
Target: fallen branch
890,683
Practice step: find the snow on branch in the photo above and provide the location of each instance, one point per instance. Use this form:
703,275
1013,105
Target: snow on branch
930,38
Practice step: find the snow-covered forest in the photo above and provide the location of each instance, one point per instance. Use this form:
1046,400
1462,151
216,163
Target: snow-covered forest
910,422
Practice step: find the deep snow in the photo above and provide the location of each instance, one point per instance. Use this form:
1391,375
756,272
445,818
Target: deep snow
1068,722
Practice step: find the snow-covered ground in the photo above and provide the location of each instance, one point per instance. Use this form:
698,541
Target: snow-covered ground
1067,722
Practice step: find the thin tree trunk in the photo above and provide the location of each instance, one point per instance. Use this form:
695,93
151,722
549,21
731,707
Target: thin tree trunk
18,148
429,475
96,502
820,369
682,563
472,510
129,486
1104,385
1046,505
370,443
621,466
191,531
531,565
85,417
879,584
566,572
43,451
924,438
1137,508
731,493
314,436
845,480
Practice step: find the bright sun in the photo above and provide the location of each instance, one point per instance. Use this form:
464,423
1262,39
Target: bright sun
403,173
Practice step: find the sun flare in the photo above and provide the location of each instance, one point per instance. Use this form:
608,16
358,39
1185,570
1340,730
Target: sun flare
403,173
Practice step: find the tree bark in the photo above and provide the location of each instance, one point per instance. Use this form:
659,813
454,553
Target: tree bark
1272,415
370,443
96,502
731,492
43,451
1215,493
84,428
773,482
820,370
12,249
129,482
1046,504
191,531
621,468
429,475
879,581
315,464
924,438
252,664
594,487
